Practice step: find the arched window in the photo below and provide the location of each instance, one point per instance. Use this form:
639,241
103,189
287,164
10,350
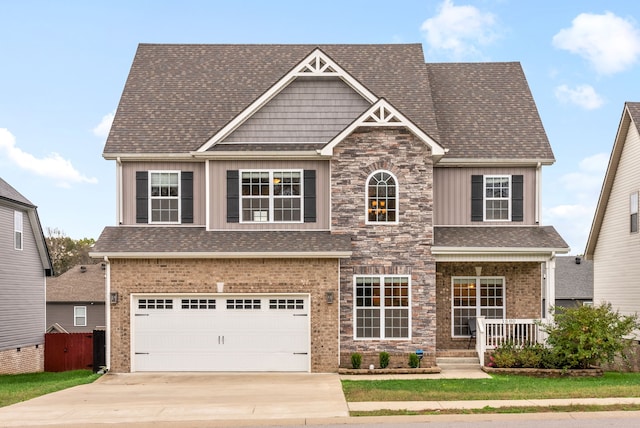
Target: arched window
382,191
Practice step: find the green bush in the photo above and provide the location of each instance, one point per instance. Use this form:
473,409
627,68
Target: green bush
356,360
504,356
384,360
589,335
414,361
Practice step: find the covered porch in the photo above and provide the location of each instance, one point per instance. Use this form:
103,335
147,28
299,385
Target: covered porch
493,284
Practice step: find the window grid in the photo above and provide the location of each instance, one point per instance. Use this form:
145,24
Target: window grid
286,304
633,209
497,197
382,307
198,303
18,225
243,303
473,297
271,196
382,198
80,316
164,195
155,304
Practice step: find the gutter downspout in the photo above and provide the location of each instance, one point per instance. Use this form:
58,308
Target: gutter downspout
107,288
551,287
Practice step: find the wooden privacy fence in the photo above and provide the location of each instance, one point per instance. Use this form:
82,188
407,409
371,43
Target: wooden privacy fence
74,351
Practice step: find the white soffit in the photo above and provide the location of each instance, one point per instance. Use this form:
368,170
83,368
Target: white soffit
383,114
317,64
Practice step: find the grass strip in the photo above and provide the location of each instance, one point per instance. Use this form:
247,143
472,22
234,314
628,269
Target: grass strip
498,387
22,387
503,410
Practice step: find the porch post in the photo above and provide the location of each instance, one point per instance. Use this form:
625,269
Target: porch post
550,290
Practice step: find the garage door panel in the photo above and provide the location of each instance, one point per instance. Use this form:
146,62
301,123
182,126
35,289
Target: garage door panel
230,333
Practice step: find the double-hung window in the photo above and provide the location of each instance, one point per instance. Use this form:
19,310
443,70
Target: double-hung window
497,197
80,316
271,196
164,196
382,307
473,297
633,210
18,229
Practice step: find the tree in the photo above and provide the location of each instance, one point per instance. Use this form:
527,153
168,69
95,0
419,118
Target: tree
66,252
590,335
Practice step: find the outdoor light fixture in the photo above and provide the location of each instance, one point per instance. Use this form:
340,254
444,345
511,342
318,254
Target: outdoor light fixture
114,298
329,297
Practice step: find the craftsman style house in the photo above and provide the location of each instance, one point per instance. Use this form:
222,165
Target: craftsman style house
614,240
24,266
280,207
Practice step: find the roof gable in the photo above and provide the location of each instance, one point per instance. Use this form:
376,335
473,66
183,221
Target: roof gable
630,118
7,192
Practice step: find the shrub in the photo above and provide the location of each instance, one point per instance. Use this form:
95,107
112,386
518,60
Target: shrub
530,356
504,356
356,360
589,335
414,361
384,359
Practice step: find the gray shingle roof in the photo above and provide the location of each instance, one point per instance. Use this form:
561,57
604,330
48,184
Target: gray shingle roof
178,96
574,281
8,192
198,240
498,237
486,110
76,285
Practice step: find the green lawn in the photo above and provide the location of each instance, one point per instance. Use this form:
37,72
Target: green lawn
499,387
22,387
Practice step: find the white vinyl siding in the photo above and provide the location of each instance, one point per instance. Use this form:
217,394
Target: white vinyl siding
617,251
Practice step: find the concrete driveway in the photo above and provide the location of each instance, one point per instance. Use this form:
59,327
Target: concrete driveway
158,399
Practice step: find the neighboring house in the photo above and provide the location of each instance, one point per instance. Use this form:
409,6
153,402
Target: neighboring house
24,265
574,281
614,240
75,300
280,207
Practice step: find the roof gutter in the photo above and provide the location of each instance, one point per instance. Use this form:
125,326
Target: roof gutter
223,255
471,162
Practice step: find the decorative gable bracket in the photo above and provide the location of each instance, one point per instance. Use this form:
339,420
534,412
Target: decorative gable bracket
382,113
316,64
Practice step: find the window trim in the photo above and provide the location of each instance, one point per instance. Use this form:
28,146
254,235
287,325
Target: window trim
272,197
478,307
150,198
396,198
633,211
382,308
18,230
76,316
508,198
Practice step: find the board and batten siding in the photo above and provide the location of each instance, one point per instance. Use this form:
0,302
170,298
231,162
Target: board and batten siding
218,197
452,195
615,261
308,110
22,286
129,187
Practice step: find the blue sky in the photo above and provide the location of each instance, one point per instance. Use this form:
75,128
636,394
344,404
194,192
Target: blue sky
64,64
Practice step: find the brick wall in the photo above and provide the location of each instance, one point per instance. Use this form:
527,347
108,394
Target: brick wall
403,249
523,293
313,276
28,359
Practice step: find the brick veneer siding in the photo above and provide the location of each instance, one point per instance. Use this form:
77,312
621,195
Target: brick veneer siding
27,359
313,276
403,248
523,293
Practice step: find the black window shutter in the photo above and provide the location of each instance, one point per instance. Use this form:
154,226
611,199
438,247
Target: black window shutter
142,197
517,197
309,195
477,200
186,198
233,196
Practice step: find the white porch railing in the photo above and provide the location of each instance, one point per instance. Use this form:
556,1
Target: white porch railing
491,333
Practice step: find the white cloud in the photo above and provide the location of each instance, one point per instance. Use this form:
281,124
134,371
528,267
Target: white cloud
573,218
103,128
459,30
583,95
53,166
611,44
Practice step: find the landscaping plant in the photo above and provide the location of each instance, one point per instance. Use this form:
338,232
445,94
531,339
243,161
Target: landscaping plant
384,360
356,360
414,361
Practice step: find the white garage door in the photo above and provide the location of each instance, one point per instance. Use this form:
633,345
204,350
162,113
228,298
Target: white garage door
221,333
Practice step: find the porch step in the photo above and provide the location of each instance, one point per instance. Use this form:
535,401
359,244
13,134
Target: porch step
458,363
460,353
